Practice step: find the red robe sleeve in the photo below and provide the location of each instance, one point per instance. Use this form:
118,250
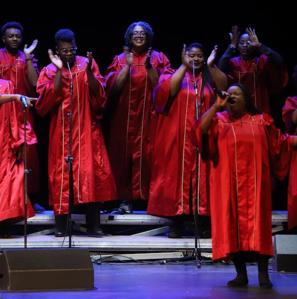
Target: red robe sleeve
112,73
287,111
207,142
17,126
280,148
19,129
48,98
98,102
160,62
277,77
162,100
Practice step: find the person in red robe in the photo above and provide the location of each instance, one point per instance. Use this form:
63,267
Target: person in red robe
11,164
71,88
244,147
130,80
257,66
20,67
179,181
290,119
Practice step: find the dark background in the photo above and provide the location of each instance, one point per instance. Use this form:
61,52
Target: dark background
101,29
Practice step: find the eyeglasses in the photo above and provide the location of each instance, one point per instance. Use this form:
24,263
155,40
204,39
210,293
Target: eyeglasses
139,33
65,51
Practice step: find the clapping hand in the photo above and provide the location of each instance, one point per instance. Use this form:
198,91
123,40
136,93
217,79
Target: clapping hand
129,56
254,41
212,56
147,62
234,36
90,59
30,49
184,56
55,59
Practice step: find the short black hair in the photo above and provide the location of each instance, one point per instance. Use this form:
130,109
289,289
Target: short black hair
12,24
147,29
195,45
65,35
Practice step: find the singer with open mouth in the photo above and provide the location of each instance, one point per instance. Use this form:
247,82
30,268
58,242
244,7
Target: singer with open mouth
244,147
71,90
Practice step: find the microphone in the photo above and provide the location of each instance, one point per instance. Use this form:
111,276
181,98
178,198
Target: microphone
24,101
195,82
223,94
71,78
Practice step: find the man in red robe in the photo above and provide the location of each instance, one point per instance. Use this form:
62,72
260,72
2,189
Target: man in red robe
131,78
258,67
20,67
242,145
71,88
178,173
11,164
290,119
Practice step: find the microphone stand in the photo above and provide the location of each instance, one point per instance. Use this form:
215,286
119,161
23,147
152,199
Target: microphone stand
197,250
26,172
69,160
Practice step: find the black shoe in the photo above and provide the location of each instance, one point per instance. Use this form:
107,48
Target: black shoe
175,232
61,225
125,208
93,220
264,281
238,282
5,235
5,228
98,233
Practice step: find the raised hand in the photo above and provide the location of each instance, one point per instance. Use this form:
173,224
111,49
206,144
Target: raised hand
129,56
234,36
222,99
212,56
55,59
30,49
254,41
90,58
184,56
147,62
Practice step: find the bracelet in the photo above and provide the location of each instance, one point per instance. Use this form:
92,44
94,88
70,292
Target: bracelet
28,59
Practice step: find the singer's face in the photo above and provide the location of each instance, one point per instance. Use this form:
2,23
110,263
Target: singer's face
236,102
138,38
196,58
66,51
244,47
12,38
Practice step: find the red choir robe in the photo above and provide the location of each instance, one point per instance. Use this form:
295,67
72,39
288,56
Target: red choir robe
173,177
92,177
11,170
14,68
260,76
288,109
243,154
131,125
